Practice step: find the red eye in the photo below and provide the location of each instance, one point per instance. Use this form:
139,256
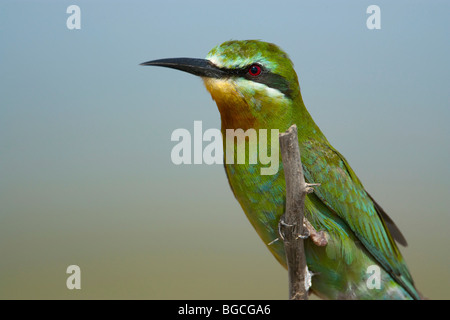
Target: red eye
254,70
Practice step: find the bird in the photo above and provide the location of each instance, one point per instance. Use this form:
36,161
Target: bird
255,86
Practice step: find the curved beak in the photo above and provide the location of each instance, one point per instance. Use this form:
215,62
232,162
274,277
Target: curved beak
198,67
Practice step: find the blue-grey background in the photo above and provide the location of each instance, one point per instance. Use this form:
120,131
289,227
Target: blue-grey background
85,170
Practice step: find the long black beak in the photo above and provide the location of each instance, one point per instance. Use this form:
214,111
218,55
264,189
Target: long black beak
198,67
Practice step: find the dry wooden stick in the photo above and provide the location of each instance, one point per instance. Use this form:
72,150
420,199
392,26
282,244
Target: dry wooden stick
291,226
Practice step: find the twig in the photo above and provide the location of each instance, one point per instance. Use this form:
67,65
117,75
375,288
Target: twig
291,225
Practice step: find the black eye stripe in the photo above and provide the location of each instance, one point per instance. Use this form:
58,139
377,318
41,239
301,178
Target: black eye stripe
266,77
275,81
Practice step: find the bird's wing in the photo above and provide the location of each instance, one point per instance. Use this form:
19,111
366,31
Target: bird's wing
341,190
390,224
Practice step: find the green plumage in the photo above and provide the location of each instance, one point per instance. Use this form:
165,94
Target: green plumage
360,233
340,206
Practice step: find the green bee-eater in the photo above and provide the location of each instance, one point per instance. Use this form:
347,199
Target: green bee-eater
255,86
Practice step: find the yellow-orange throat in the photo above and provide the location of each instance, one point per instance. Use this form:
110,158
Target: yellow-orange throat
234,110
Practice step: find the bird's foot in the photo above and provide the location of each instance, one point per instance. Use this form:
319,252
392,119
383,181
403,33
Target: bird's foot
309,188
319,238
306,233
279,231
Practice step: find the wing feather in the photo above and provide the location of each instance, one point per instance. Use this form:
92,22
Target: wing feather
341,191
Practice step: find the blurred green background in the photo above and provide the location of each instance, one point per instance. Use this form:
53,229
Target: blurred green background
85,170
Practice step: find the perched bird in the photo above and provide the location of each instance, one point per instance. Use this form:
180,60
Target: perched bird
254,85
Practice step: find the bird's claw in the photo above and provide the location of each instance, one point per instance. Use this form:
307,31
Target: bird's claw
319,238
309,188
306,233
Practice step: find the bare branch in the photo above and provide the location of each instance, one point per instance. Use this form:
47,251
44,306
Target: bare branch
291,225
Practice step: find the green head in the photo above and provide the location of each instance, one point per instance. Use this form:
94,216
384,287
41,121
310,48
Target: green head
259,62
253,83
